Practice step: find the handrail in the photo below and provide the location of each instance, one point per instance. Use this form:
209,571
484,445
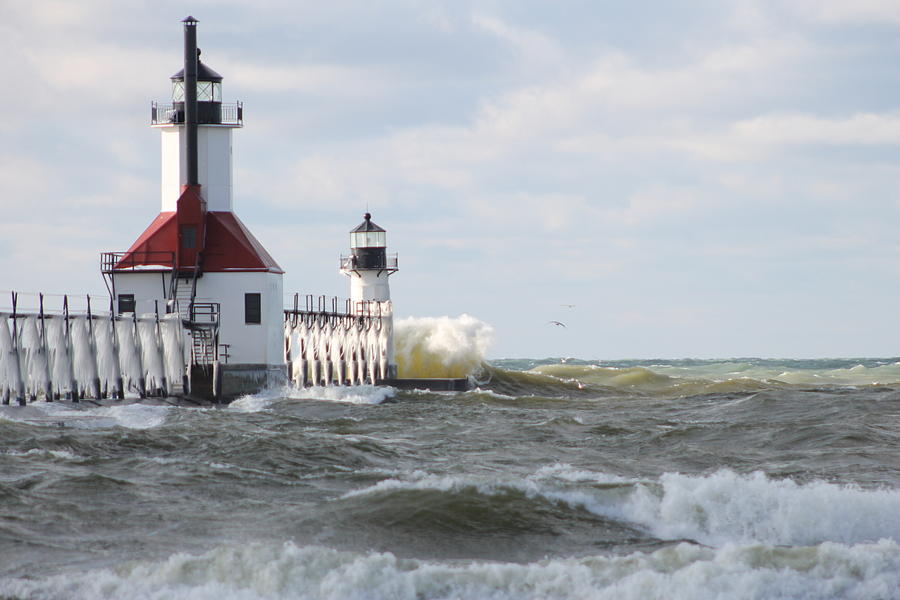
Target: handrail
205,313
231,113
317,307
131,261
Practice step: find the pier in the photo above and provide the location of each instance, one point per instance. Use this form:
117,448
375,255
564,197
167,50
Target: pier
335,342
71,353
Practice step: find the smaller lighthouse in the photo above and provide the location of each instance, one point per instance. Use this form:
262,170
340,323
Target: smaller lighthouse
369,266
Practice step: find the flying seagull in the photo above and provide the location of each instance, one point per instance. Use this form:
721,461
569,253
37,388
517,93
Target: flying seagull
557,323
568,305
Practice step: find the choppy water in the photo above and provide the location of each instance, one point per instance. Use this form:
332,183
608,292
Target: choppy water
642,479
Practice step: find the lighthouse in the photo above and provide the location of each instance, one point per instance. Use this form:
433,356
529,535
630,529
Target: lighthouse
197,260
195,303
369,265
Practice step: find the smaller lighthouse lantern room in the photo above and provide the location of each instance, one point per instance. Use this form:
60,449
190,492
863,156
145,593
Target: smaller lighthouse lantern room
369,265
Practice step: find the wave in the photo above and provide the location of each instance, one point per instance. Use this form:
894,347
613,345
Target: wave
675,379
717,509
351,394
440,346
87,415
274,571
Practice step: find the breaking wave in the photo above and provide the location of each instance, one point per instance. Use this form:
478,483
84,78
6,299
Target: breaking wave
275,571
676,380
352,394
717,509
440,346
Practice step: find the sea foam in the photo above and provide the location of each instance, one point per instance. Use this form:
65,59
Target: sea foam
87,416
684,571
351,394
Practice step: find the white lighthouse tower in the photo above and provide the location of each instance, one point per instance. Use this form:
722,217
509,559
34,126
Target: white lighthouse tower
197,259
369,266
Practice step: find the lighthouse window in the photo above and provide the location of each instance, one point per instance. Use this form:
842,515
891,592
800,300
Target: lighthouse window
126,303
204,91
253,309
368,239
188,236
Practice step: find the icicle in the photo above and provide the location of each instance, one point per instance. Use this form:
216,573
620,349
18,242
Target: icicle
361,357
382,349
60,358
312,353
107,361
130,363
324,352
151,356
296,355
341,353
173,348
351,354
335,356
327,340
301,365
287,341
12,376
85,359
371,351
35,368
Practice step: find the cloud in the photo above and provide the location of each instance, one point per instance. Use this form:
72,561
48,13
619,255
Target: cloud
840,12
533,49
790,129
493,142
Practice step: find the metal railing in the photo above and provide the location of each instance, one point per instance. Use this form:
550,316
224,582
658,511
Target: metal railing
348,263
334,307
205,313
232,113
131,261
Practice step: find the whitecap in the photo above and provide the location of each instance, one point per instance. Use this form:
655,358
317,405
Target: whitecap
716,509
684,571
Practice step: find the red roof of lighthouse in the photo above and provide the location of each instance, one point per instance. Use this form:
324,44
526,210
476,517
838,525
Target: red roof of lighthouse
229,245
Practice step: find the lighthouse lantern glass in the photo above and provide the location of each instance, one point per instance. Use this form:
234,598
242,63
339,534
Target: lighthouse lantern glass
368,239
207,91
178,91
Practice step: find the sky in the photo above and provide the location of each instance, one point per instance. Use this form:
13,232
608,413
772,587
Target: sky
702,179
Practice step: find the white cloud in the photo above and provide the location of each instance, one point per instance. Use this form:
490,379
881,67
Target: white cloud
333,81
602,164
788,129
858,11
535,50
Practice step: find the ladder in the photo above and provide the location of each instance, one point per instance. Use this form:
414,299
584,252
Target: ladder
203,342
183,295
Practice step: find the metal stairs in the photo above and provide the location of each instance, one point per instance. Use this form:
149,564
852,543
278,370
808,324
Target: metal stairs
200,319
203,345
183,296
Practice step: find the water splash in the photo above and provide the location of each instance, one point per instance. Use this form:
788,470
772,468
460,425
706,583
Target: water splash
441,346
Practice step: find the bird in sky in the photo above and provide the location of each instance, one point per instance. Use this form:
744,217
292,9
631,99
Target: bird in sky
568,305
557,323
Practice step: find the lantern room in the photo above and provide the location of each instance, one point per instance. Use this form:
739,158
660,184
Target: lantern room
368,245
209,95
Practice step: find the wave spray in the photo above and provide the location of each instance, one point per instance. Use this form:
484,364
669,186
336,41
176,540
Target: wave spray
441,346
